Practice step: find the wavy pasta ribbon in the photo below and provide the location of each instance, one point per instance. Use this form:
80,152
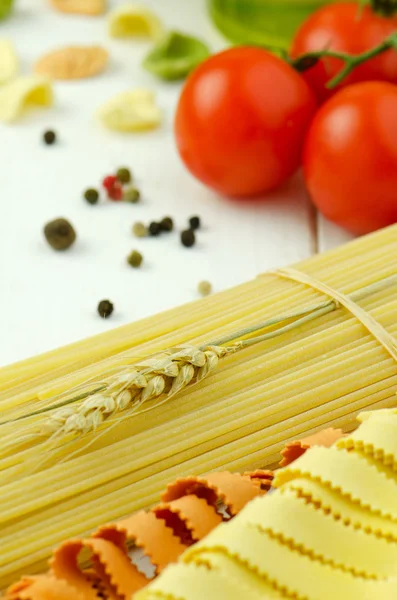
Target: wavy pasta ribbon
348,473
293,450
188,512
328,501
287,569
376,438
318,535
328,531
198,582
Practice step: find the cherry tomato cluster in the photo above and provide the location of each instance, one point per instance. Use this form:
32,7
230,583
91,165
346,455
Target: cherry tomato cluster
247,120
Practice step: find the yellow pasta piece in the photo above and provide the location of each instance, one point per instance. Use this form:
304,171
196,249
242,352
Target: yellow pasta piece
9,64
135,110
348,473
237,572
341,509
22,93
376,438
287,569
134,20
315,534
196,582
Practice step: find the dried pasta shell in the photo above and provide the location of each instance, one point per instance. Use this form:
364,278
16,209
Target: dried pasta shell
8,61
73,62
135,110
21,93
80,7
134,20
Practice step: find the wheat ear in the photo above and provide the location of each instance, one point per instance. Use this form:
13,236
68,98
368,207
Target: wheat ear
153,379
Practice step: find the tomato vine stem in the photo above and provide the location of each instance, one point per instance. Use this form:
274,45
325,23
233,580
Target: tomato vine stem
351,61
386,8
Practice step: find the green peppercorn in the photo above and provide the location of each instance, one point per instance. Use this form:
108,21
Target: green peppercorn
188,238
49,137
131,195
105,308
60,234
139,229
135,259
154,228
167,224
204,288
194,222
91,195
123,175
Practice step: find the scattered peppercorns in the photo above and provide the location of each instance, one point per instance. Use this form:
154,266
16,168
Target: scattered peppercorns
105,308
91,195
139,229
131,195
154,228
135,259
49,137
204,288
124,175
166,224
188,238
60,234
194,222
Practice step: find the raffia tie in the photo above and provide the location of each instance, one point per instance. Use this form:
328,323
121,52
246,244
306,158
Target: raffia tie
375,328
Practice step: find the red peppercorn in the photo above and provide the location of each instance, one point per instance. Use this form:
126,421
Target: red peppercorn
109,182
116,192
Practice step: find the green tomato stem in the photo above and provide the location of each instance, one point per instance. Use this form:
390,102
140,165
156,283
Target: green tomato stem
351,61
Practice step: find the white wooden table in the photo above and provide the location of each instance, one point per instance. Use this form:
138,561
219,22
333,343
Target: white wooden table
47,298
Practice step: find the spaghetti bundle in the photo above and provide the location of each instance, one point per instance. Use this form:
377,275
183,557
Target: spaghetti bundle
236,411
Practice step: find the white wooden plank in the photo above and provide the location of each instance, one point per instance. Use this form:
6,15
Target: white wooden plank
331,235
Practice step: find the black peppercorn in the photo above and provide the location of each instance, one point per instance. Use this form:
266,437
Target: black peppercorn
49,137
188,238
91,195
105,308
154,228
123,175
60,234
194,222
167,224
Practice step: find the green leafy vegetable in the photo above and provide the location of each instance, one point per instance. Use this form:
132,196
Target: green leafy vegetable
270,23
175,56
5,8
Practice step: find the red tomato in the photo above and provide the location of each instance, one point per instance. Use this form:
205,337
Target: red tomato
241,121
350,157
347,28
